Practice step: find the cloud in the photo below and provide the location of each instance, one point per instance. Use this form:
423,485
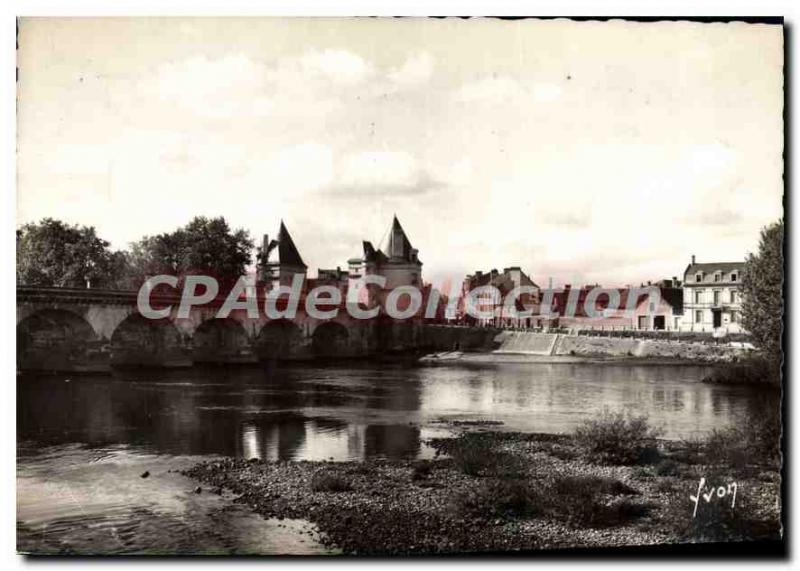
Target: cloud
499,90
340,66
720,216
490,89
575,219
240,87
382,173
378,167
417,69
211,88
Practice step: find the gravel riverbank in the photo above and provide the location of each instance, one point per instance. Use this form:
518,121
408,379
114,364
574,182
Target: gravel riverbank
497,492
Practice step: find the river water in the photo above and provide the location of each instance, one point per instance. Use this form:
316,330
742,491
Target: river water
85,441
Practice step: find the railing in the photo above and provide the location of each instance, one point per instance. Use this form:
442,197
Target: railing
735,305
681,336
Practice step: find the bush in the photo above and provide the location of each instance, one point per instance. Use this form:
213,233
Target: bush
753,441
497,498
582,501
616,438
324,481
752,371
691,451
667,467
421,470
472,455
475,454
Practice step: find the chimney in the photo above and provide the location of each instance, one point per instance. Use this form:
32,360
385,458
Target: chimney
693,258
261,265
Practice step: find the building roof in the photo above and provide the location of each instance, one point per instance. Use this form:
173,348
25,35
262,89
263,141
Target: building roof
709,270
399,245
501,281
398,248
371,255
287,251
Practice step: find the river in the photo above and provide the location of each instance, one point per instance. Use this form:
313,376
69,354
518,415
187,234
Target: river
85,441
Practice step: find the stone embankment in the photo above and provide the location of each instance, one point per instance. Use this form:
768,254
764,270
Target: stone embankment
578,345
558,346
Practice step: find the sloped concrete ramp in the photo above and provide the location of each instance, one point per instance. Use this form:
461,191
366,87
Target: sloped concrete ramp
526,343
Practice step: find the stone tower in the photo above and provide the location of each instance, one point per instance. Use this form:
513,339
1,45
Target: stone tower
400,263
279,261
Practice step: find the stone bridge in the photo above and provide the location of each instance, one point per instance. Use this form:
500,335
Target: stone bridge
65,329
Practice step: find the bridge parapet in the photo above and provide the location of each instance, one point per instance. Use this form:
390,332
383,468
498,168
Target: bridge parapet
76,329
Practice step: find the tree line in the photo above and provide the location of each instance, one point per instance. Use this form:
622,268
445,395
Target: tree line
56,254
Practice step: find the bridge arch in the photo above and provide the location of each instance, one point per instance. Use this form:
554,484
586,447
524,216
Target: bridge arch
220,340
279,339
138,340
330,339
55,339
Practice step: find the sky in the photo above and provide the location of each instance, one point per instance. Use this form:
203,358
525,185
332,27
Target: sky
585,152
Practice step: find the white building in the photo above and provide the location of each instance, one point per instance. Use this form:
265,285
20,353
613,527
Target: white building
712,297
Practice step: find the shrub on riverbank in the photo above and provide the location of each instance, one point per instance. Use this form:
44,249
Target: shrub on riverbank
504,497
477,454
584,501
421,470
752,371
324,481
618,438
755,440
592,501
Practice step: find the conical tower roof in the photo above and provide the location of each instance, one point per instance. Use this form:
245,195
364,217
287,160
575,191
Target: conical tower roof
287,251
398,246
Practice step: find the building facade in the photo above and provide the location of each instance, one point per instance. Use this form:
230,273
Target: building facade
712,297
492,302
648,312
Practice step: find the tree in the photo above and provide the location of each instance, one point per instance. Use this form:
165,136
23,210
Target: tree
53,253
204,246
762,300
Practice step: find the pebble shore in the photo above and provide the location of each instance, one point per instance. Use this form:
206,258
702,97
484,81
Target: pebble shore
392,507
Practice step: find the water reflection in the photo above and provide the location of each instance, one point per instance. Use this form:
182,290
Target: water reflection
355,412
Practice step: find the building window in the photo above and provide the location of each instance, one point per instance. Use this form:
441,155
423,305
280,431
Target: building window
698,317
733,277
734,317
718,277
733,296
698,297
716,297
698,277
